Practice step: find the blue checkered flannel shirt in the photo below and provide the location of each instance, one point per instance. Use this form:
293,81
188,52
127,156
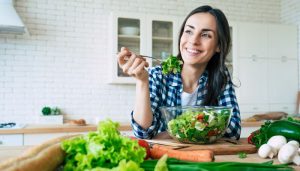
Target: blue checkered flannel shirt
165,90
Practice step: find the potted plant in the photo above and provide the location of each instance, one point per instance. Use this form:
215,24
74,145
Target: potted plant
51,116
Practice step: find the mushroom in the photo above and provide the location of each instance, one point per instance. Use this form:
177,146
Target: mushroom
265,151
296,144
289,153
293,142
276,142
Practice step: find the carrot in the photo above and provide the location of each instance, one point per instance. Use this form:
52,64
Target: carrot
158,151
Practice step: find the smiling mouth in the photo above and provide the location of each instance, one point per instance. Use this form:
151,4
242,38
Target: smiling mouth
193,51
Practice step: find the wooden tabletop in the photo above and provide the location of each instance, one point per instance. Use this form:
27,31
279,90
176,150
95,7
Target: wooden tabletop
7,152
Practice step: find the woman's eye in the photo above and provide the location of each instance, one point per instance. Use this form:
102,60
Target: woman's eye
188,31
205,35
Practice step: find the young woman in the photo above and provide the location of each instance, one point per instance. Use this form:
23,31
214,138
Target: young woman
204,42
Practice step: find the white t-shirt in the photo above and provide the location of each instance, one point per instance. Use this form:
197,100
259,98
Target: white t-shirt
189,99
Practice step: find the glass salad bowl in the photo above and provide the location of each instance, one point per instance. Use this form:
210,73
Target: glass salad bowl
196,124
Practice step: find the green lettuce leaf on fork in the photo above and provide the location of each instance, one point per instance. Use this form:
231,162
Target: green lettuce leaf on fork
171,65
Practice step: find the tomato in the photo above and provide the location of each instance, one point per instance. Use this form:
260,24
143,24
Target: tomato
249,139
212,133
144,144
200,117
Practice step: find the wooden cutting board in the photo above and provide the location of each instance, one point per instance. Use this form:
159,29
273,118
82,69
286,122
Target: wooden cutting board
221,147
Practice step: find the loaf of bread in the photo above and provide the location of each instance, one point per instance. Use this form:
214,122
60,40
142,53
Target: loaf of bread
44,157
79,122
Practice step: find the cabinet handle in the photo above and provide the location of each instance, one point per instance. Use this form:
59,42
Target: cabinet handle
283,59
254,58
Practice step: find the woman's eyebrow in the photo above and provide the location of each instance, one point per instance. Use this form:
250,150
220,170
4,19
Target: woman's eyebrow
203,30
192,27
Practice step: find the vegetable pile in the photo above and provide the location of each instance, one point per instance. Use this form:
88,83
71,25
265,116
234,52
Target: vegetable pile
105,148
201,126
289,128
171,65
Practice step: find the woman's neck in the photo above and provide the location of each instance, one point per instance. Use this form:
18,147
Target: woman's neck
190,76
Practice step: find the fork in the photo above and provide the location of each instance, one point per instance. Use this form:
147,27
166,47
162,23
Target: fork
145,56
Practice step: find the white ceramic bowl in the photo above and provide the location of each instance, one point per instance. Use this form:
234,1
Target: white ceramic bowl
129,30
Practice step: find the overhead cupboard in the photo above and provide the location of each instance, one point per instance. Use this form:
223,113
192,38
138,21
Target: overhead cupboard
144,34
263,60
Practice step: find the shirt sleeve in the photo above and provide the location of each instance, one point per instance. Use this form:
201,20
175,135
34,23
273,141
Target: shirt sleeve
157,124
228,98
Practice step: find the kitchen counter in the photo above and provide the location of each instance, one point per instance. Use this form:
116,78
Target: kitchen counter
6,152
36,129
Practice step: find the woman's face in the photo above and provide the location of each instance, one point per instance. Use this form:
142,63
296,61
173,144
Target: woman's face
199,40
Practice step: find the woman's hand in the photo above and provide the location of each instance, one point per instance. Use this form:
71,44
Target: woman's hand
132,64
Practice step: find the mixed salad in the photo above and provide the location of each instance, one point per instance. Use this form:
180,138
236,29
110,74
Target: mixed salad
200,126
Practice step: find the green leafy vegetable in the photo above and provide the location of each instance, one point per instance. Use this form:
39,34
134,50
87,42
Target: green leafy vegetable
171,65
242,155
123,166
105,148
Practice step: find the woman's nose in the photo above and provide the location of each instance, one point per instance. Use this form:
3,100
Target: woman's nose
195,40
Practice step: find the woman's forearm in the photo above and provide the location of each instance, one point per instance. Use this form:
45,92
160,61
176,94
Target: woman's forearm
142,112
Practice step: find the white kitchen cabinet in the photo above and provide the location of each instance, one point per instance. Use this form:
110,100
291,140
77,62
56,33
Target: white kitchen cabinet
282,41
156,36
11,139
268,69
251,40
35,139
253,77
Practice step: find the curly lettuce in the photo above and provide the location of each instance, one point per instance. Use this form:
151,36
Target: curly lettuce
105,148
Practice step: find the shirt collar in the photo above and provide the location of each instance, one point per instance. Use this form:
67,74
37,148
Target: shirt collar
203,77
175,79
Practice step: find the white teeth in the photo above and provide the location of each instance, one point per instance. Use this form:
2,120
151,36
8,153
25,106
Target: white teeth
192,50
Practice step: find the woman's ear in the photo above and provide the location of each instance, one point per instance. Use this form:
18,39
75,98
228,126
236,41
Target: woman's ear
218,49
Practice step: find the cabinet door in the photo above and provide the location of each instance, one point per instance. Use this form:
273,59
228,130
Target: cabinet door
127,30
11,140
283,107
283,81
252,40
162,37
253,78
282,41
247,110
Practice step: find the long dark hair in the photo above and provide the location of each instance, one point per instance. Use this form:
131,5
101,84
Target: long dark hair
216,68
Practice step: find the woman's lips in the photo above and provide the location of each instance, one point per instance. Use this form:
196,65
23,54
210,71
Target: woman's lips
193,52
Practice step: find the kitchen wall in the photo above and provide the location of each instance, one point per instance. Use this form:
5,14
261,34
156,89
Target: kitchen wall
64,60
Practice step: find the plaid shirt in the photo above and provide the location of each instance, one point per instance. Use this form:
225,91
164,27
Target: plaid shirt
166,90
